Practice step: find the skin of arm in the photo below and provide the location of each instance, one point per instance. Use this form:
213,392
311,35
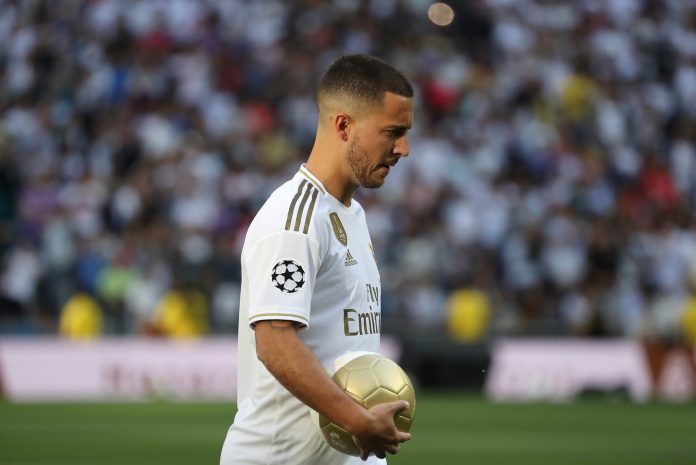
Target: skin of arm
285,355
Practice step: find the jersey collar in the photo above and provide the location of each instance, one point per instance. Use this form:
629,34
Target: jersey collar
306,174
313,179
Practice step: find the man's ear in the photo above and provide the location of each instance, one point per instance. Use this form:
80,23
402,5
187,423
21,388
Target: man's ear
342,125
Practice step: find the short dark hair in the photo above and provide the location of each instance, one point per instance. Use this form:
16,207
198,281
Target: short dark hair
363,78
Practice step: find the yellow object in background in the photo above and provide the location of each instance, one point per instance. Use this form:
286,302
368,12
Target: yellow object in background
688,321
81,318
577,98
468,315
182,314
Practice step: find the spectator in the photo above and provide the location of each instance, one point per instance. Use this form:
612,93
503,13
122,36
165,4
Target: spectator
81,318
468,315
182,313
137,139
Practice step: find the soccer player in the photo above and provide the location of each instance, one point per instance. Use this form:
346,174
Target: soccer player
310,285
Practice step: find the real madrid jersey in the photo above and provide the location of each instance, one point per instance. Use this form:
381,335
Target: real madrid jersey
306,258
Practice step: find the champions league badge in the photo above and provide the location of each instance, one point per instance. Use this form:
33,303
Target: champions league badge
288,276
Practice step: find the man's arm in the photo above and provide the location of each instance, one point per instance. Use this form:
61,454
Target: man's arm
281,350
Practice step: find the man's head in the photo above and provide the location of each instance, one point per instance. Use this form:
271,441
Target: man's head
360,81
366,104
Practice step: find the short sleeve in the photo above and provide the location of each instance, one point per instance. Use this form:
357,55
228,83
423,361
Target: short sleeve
282,270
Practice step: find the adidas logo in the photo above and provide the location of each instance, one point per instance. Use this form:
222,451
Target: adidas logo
350,261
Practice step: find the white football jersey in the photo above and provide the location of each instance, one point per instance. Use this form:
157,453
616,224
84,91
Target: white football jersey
306,258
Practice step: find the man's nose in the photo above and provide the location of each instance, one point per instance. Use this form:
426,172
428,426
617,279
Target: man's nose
401,147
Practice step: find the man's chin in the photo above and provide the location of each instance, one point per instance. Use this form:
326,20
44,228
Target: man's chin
372,183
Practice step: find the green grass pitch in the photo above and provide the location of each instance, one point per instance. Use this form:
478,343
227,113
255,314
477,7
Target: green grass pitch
448,429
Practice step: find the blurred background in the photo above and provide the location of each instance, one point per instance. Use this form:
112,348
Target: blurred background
547,207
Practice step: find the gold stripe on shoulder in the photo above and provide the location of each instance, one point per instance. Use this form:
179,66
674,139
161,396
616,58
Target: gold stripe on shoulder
298,217
308,218
288,222
305,172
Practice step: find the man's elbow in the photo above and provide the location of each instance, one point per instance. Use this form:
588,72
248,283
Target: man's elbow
262,345
261,352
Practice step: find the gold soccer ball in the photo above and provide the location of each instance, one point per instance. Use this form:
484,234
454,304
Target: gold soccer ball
370,379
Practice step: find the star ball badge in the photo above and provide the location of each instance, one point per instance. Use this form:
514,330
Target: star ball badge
288,276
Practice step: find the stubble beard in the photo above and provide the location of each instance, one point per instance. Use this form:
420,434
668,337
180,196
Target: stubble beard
359,163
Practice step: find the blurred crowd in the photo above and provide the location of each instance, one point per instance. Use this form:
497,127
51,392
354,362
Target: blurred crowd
551,187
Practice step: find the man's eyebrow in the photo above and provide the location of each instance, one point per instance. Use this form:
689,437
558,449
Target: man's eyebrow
397,127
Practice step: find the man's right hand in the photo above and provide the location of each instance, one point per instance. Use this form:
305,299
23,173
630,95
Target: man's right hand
378,433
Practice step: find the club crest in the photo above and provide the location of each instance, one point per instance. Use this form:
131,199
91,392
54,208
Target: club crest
338,229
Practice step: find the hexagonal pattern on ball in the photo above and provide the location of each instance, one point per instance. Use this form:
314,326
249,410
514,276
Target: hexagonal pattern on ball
361,383
389,375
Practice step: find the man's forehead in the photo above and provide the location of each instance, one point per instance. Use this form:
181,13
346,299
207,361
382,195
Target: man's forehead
396,99
399,108
395,108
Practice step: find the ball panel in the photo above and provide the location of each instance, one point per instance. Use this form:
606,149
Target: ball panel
359,399
364,361
407,394
340,439
341,378
361,382
403,423
380,396
389,375
323,421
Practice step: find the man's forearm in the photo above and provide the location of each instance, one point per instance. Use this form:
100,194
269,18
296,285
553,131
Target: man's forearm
284,354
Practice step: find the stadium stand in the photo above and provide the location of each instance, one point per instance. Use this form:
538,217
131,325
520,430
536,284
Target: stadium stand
137,139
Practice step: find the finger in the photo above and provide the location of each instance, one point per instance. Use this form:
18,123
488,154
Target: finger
381,454
393,450
399,406
364,454
403,437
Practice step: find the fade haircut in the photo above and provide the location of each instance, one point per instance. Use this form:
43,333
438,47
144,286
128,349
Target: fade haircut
361,81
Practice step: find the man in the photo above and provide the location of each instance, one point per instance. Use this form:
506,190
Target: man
310,285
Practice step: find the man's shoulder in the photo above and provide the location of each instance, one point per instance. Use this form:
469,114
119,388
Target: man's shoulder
299,205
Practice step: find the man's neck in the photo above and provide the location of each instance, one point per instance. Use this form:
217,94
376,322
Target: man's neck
331,174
